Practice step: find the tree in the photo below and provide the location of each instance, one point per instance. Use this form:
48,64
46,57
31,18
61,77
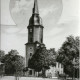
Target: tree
18,62
67,53
41,60
2,54
14,63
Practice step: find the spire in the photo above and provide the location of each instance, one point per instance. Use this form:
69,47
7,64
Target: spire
35,18
35,8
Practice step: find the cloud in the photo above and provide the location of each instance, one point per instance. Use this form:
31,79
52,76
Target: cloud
12,30
21,5
5,13
23,31
45,11
9,29
13,37
70,28
58,34
54,31
70,10
6,28
66,28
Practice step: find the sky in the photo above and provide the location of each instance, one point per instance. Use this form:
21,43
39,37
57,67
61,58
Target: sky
60,19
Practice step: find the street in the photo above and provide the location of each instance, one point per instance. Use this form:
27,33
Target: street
25,78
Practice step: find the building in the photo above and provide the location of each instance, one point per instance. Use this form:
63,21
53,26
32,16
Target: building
35,39
55,71
35,36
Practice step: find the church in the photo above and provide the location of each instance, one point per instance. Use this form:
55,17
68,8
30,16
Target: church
35,39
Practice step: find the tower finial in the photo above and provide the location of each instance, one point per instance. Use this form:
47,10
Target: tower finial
35,8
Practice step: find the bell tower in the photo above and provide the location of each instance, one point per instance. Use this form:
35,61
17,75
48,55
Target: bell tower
35,28
35,35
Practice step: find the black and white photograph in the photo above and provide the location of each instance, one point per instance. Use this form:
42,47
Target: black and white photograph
39,39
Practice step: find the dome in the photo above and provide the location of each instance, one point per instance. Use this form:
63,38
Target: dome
35,20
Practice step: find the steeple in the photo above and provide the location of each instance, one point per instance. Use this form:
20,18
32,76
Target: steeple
35,18
35,8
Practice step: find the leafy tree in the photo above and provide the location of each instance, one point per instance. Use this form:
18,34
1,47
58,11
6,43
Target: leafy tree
13,62
67,53
18,62
41,60
2,54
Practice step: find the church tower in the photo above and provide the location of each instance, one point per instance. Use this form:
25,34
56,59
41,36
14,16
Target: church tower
35,28
35,35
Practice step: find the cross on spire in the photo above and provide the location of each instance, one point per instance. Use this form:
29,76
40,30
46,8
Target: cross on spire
35,8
